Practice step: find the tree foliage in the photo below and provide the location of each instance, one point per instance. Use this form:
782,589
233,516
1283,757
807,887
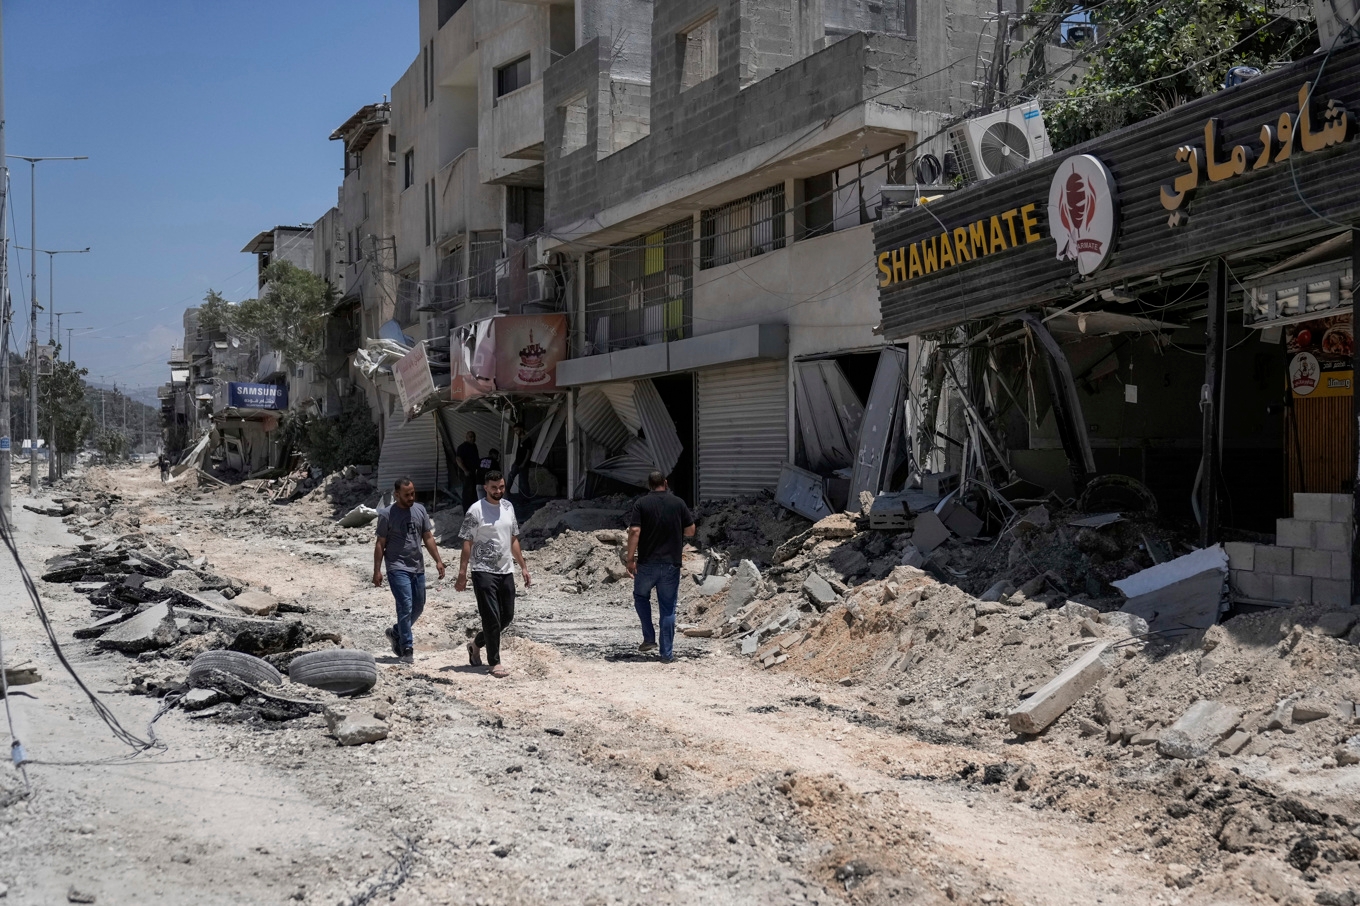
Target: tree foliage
330,444
62,393
1151,57
112,444
290,317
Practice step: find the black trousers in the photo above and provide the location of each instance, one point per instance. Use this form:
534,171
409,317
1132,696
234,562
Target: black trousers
469,492
496,604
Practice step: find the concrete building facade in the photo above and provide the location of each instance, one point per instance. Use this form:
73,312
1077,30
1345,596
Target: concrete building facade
716,198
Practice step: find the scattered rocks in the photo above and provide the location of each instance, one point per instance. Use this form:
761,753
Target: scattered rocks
1198,730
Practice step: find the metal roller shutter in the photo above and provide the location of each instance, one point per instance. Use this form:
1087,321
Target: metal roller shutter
411,451
743,428
486,425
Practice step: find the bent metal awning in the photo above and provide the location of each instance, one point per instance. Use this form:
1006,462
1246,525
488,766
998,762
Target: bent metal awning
1266,166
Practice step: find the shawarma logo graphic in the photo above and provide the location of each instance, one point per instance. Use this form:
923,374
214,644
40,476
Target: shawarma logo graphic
1083,212
1303,373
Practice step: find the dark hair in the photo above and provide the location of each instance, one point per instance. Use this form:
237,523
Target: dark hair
493,476
401,483
655,480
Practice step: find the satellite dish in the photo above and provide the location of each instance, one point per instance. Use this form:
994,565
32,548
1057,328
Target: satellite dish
1004,148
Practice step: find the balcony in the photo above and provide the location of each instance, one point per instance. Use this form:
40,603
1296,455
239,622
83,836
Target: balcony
465,205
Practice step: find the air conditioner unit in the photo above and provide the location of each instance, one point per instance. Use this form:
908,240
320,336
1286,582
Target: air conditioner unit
1000,142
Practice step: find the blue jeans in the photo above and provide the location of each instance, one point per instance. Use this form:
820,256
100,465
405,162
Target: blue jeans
409,591
665,578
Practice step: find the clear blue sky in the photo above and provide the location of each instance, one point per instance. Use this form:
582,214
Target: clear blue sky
205,122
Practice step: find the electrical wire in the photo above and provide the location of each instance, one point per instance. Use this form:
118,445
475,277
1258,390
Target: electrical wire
136,743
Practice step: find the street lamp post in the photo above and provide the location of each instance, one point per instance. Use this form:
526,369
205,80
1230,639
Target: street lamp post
54,337
33,312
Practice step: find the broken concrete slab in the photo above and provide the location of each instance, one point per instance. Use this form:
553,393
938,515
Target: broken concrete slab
253,635
1198,730
835,527
930,532
998,590
912,556
1164,574
198,699
153,628
1061,692
1193,602
745,585
1033,519
358,517
712,586
1282,715
255,603
819,592
1348,752
1125,622
1234,743
960,520
103,624
1076,612
1336,623
1309,710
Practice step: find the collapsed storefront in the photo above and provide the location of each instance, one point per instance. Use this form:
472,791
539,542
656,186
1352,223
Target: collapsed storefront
485,378
246,422
1172,303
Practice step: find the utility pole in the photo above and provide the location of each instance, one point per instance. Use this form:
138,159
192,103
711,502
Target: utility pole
5,441
33,313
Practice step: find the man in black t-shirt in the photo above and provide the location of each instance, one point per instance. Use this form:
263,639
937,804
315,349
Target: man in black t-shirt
657,528
467,459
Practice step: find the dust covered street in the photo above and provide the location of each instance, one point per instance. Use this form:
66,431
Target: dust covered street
595,774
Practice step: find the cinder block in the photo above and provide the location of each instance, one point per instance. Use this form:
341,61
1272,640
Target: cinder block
1315,564
1274,561
1241,556
1341,566
1260,586
1333,592
1294,532
1293,588
1315,507
1332,536
1343,508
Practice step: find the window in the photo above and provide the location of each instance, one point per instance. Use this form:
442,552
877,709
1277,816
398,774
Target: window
849,196
523,211
743,228
391,148
427,60
365,206
429,213
574,125
699,53
408,169
447,8
641,291
512,76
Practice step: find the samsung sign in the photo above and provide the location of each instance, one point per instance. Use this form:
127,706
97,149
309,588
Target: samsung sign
257,396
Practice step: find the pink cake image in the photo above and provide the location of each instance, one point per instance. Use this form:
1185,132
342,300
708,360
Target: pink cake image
531,368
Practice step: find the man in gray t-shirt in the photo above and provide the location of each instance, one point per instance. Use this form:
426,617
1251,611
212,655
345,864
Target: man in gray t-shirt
403,528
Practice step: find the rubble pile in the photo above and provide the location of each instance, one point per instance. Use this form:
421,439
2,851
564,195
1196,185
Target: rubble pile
346,489
214,642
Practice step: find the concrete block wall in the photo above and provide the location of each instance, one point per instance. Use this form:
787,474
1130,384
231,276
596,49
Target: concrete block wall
1310,560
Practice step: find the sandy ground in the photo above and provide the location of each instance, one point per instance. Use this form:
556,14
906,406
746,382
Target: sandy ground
591,775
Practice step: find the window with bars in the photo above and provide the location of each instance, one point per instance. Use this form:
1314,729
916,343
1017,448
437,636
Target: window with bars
641,291
482,258
408,299
743,228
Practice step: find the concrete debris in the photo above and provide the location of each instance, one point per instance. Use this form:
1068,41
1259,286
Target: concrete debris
1001,589
256,603
1034,519
1193,602
22,675
352,728
712,585
1198,730
819,592
1129,623
1234,743
198,699
1336,623
1061,692
744,587
1348,752
1307,711
358,517
149,630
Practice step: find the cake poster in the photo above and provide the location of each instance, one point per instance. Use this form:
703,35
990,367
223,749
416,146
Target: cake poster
528,348
1320,357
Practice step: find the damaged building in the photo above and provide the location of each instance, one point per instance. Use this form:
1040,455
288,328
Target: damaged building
1157,320
712,175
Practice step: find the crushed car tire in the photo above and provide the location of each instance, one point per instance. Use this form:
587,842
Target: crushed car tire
245,667
343,671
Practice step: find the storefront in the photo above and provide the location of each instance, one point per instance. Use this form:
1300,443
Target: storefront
1170,302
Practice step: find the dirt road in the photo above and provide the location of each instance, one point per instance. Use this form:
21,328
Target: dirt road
591,775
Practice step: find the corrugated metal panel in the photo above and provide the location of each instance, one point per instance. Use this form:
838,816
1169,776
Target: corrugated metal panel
1324,446
620,394
486,425
743,428
829,414
882,424
657,426
596,416
412,451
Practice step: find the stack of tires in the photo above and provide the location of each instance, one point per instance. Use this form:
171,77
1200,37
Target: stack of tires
343,671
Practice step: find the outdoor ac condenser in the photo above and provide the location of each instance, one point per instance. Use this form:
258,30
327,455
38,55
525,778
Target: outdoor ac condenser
1000,142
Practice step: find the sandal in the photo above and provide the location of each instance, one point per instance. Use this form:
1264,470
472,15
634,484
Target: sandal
499,672
474,656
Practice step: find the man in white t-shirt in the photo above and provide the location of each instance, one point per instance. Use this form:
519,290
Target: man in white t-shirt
490,535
